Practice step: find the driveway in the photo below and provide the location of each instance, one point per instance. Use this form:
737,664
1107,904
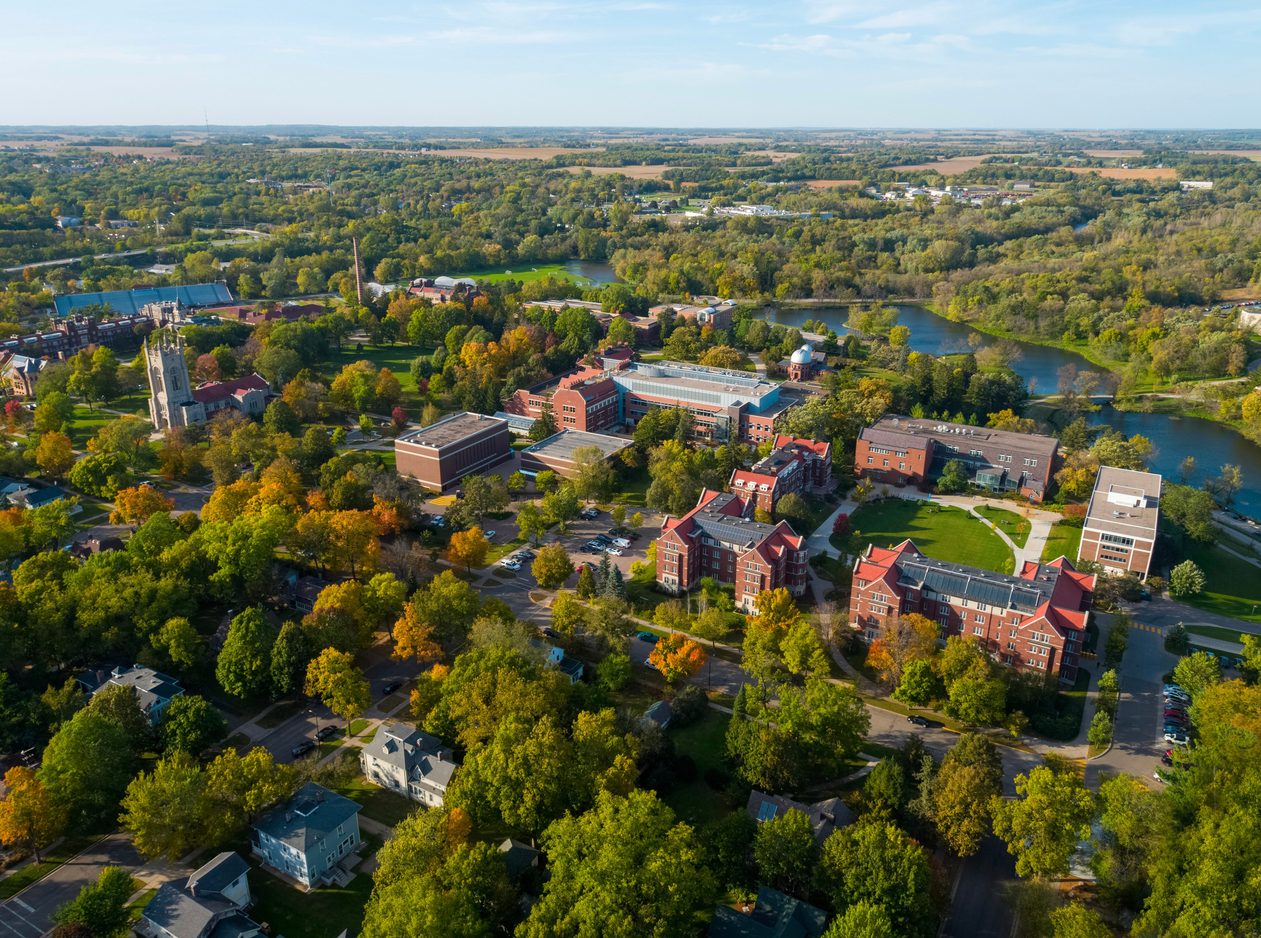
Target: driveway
29,913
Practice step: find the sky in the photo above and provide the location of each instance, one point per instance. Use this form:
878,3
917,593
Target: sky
638,63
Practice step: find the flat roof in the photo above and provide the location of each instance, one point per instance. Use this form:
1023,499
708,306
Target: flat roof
450,430
131,301
1125,502
958,433
564,444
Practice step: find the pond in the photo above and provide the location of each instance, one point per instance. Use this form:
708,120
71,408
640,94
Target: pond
595,271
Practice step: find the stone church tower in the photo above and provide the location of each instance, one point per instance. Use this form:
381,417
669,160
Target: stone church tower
171,402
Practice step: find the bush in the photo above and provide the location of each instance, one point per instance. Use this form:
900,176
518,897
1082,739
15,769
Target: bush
1186,579
1100,732
688,706
1177,642
1156,584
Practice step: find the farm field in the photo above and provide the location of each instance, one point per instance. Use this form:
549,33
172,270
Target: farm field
1121,172
831,183
939,531
509,153
636,171
951,167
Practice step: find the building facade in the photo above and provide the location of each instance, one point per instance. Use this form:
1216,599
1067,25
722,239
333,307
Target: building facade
585,399
794,466
1032,621
438,456
718,539
308,836
175,403
909,450
410,762
1119,532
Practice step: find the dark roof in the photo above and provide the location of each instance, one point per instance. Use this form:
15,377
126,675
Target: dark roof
962,435
44,496
308,817
218,874
824,816
130,301
776,915
993,589
518,856
711,520
660,713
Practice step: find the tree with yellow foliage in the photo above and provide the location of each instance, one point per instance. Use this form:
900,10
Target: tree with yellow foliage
468,547
677,657
29,817
414,638
136,505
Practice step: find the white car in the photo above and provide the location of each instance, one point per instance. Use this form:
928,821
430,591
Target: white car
1178,739
621,542
489,535
615,551
510,563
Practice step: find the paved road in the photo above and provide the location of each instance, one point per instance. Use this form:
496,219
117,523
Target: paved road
980,906
1163,612
29,913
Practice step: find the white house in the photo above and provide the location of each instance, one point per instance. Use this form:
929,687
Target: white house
311,837
410,762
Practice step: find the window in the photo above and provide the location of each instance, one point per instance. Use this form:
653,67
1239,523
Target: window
870,461
1031,462
978,617
978,630
976,452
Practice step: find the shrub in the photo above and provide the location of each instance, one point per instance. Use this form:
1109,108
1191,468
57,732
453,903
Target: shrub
688,706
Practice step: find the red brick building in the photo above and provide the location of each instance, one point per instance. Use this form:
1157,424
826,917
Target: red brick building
585,399
794,466
439,455
910,450
717,539
1033,621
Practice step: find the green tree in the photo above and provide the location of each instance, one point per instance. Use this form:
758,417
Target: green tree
1043,825
1196,673
1074,920
53,413
872,861
191,724
1100,732
290,655
863,919
244,665
786,852
120,704
179,642
87,766
100,907
953,478
971,775
885,790
593,478
622,870
919,684
334,678
552,567
166,810
1186,579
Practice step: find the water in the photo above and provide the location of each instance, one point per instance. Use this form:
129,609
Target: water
1212,444
1039,365
592,270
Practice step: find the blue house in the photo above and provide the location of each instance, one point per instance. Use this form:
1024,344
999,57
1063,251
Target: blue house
311,838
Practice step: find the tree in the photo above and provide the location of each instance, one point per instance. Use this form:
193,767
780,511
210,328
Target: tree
1074,920
560,506
414,638
179,642
290,654
244,666
121,705
908,638
54,454
334,678
468,548
101,907
621,870
586,588
447,605
532,523
1043,825
676,657
872,861
87,766
971,775
1197,673
137,505
1186,579
544,425
786,852
552,566
885,790
863,919
593,478
1100,732
919,684
53,413
29,817
953,478
191,724
166,809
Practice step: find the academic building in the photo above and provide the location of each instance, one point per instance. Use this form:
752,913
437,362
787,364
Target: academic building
441,454
718,539
1119,533
1032,621
909,450
795,466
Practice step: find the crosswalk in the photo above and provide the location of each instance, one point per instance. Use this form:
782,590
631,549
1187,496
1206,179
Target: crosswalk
1154,629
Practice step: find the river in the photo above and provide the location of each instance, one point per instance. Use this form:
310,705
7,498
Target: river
1174,438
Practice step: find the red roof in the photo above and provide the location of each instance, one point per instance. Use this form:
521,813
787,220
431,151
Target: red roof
213,391
749,479
818,447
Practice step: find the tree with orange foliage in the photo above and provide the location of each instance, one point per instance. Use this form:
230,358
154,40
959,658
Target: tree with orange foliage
468,548
907,638
354,539
138,504
414,638
29,817
677,657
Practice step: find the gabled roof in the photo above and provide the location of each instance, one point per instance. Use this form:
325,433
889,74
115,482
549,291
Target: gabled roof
213,391
215,876
776,915
308,817
422,757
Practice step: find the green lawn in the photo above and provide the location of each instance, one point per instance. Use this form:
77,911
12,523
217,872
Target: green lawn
380,805
1233,586
314,914
1217,632
85,423
1062,542
939,531
524,274
705,741
1010,523
397,358
632,488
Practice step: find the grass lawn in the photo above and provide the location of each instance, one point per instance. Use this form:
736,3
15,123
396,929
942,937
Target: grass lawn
397,358
705,741
524,274
1217,632
1062,542
22,877
281,712
84,424
820,509
358,726
939,531
633,488
1233,586
314,914
1010,523
380,805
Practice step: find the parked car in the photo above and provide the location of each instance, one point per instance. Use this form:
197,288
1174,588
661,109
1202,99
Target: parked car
648,637
1175,713
621,542
526,554
440,521
302,748
1176,737
326,732
1173,689
615,551
916,719
489,535
590,513
549,631
1167,759
510,564
390,688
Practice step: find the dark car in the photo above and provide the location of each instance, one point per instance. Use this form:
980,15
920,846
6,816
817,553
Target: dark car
1166,759
326,732
302,748
1175,716
917,720
390,688
549,632
648,637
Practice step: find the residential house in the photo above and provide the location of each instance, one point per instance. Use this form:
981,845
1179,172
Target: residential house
311,838
519,857
211,903
659,714
410,762
824,816
554,656
154,690
774,915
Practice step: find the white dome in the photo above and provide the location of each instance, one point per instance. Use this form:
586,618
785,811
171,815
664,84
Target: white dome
803,355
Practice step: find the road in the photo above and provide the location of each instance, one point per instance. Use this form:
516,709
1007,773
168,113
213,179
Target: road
1163,612
980,904
110,255
29,913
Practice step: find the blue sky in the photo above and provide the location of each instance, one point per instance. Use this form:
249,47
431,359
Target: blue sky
680,63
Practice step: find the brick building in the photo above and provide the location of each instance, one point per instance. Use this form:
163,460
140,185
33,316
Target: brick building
441,454
1120,528
585,399
718,539
909,450
799,466
557,451
1032,621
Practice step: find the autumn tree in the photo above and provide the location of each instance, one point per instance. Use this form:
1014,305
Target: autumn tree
29,818
54,454
552,566
676,657
335,679
907,638
136,505
414,638
468,548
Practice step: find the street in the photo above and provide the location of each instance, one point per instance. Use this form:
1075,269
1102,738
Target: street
980,905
